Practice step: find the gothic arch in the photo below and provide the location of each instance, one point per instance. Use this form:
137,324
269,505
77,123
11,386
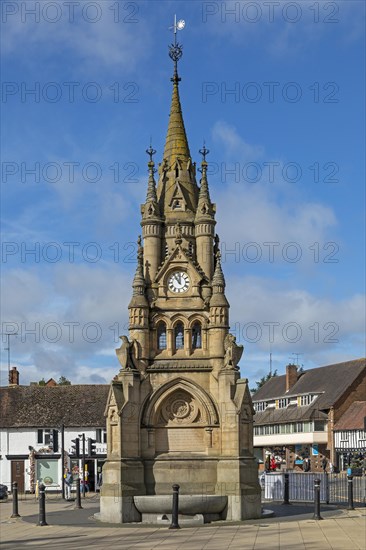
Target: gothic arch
178,318
197,317
152,407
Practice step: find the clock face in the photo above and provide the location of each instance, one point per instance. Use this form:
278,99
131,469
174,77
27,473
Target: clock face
178,281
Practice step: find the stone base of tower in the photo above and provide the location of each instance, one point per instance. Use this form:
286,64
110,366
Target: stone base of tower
122,480
212,488
238,480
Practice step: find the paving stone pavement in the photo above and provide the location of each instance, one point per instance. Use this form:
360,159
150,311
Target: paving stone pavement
291,529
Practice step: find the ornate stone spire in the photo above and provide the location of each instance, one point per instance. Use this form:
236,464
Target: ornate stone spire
177,189
218,279
138,283
151,206
176,143
151,190
205,208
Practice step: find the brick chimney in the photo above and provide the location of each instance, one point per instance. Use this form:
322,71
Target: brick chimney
291,376
13,377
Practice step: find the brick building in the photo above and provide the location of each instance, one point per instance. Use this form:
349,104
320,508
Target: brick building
296,413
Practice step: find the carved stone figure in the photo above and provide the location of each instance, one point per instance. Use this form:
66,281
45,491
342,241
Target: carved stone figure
233,352
127,354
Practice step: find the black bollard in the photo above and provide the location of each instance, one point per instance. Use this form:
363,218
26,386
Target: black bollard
15,513
42,505
317,499
174,524
78,495
350,492
286,490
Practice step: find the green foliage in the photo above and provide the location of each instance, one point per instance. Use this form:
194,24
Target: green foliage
42,382
263,380
63,381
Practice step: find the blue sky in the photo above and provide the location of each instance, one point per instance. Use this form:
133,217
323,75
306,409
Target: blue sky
276,91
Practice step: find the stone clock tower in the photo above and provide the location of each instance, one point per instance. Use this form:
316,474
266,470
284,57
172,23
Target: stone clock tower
177,411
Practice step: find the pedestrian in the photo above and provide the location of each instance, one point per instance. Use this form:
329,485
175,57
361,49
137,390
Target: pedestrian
273,463
324,463
331,467
267,464
306,465
68,482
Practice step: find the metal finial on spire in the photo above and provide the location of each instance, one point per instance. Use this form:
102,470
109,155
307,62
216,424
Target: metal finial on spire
204,152
150,151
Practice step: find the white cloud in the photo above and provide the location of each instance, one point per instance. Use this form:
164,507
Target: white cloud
270,210
293,319
109,42
283,28
233,144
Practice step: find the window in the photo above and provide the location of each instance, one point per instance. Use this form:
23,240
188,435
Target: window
44,437
282,403
306,399
319,426
101,435
161,335
362,435
196,336
344,436
179,336
48,471
260,406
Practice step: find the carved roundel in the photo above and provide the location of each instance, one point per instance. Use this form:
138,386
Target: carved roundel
180,408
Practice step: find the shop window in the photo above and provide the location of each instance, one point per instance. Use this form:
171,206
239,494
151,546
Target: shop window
161,330
179,336
196,336
48,472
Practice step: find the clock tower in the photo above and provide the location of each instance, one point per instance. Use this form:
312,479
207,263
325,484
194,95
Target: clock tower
178,411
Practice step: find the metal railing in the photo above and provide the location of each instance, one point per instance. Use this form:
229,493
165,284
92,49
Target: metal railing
333,487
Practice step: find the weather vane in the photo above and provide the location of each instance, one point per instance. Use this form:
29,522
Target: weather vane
176,50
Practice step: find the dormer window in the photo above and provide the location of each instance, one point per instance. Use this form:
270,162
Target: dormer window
306,399
177,205
282,403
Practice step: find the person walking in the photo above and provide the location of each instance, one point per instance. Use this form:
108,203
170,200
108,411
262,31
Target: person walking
68,482
324,463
